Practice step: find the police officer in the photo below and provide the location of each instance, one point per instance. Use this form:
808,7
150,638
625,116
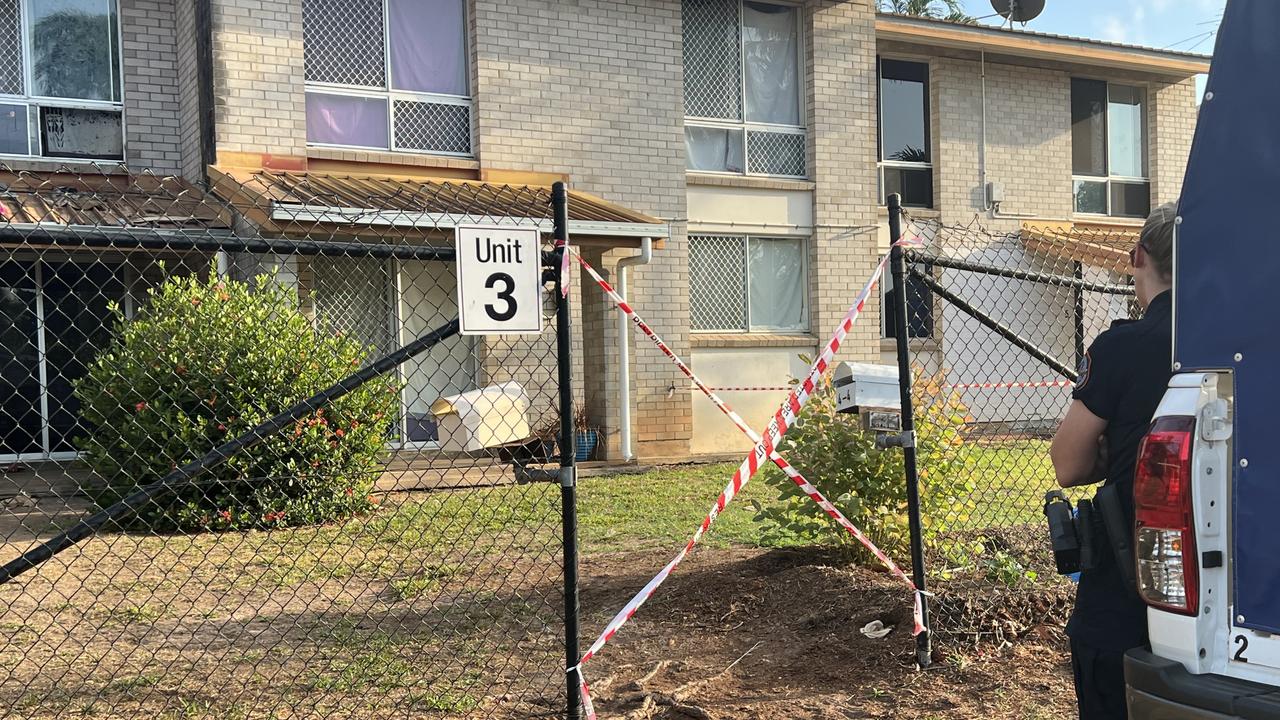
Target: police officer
1122,378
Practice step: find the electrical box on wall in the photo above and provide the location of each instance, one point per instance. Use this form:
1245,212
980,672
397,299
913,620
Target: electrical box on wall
995,193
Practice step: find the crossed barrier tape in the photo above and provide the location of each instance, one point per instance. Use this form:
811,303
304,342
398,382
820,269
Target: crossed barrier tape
765,446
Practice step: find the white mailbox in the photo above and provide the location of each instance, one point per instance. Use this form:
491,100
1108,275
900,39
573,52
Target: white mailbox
483,418
871,391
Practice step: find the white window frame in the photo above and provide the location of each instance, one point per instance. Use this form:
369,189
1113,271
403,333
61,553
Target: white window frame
751,328
1108,179
746,126
390,94
33,102
881,163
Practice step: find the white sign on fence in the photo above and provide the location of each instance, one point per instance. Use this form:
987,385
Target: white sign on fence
499,280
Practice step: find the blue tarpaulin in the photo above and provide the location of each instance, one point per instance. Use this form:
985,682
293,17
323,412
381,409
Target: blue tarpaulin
1226,292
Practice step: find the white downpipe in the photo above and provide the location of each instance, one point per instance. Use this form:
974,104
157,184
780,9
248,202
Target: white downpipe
624,348
982,143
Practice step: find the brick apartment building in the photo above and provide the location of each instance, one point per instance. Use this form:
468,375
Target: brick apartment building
751,140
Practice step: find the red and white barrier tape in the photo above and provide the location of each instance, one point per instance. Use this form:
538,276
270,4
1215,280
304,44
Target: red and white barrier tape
782,420
1012,385
761,388
564,266
952,386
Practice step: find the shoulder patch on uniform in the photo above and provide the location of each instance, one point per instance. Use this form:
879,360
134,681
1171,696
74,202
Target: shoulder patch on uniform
1082,371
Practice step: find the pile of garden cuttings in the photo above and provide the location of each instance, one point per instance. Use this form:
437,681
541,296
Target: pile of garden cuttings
745,633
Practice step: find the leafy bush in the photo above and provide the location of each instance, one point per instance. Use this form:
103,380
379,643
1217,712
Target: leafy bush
203,361
999,566
868,485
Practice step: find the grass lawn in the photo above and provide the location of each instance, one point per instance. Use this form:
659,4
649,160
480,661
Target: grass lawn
665,505
397,607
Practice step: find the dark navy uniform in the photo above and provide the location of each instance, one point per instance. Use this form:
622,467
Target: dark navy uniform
1122,379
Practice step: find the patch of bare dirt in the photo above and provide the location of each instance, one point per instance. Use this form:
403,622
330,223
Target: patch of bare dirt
739,634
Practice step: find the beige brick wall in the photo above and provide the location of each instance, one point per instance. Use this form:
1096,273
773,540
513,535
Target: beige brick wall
186,63
152,129
594,90
1028,146
840,72
1172,123
258,76
1029,133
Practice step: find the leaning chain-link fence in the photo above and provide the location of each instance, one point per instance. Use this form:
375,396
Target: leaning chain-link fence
365,554
999,320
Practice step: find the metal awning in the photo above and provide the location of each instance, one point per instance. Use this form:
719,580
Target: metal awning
302,202
1099,244
60,201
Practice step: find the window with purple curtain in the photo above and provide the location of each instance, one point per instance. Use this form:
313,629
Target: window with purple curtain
347,120
422,104
428,46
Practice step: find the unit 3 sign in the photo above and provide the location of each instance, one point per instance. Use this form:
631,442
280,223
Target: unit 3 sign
499,280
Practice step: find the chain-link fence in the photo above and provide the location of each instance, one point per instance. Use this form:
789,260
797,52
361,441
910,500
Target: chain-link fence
998,321
301,492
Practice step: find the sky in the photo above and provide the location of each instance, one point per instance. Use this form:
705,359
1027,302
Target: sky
1174,24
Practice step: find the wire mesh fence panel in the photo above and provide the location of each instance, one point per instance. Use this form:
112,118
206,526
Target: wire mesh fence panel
1000,321
331,504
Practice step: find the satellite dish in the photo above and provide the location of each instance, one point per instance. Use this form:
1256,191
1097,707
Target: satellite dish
1018,10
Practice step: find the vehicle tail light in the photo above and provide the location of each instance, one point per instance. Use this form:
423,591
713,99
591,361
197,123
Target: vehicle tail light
1168,570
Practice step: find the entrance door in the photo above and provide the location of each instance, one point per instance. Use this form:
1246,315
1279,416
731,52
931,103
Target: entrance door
76,324
53,318
21,393
386,304
428,299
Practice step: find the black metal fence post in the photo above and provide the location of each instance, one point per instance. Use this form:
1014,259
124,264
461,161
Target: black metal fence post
900,324
568,477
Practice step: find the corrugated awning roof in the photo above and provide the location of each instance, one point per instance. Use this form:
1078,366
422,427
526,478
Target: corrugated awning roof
1102,245
106,200
296,202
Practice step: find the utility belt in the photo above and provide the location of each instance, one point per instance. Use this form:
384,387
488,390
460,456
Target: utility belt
1081,538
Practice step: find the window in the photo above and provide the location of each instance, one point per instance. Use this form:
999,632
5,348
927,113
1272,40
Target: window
742,88
1109,149
905,166
60,89
387,75
919,306
747,284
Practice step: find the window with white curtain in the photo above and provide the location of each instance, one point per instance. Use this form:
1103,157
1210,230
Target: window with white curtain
748,284
742,90
60,90
387,75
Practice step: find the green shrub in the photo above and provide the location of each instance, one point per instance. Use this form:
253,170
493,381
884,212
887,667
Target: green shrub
868,485
203,361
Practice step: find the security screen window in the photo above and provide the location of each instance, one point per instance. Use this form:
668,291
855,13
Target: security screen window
904,162
1109,149
748,284
62,97
742,88
387,75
